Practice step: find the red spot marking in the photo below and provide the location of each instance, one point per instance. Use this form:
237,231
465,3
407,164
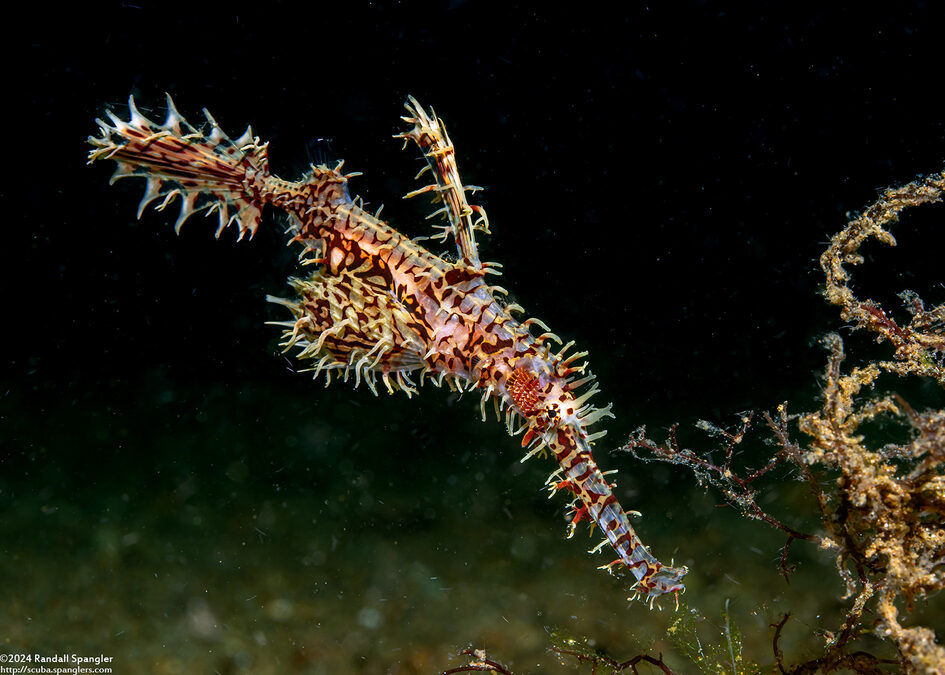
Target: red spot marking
580,514
529,435
625,538
567,485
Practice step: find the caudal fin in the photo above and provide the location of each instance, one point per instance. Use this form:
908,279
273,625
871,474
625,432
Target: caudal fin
209,172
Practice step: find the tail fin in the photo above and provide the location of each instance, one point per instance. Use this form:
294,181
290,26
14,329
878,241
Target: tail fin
226,176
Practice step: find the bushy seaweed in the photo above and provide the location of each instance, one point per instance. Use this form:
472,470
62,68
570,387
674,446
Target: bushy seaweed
882,506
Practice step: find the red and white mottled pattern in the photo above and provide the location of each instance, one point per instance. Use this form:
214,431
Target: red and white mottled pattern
381,306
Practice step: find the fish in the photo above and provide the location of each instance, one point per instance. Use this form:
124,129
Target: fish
379,307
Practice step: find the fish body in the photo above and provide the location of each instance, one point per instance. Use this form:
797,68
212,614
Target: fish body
382,308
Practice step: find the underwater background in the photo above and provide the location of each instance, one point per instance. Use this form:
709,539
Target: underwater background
660,182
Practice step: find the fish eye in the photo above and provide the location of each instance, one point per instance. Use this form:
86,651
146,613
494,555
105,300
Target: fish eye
552,413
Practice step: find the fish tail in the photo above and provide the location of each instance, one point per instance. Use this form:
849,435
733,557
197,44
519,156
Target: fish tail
208,171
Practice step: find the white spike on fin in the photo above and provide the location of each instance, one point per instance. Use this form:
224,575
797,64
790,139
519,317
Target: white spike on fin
122,170
174,119
186,210
137,119
217,136
119,123
576,384
168,198
538,448
550,336
554,476
537,322
224,209
482,403
564,349
582,399
357,370
574,357
596,414
370,378
246,139
599,546
151,192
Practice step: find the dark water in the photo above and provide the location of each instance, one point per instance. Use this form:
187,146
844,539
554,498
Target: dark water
660,184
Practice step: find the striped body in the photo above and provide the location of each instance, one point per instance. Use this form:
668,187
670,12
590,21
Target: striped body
380,307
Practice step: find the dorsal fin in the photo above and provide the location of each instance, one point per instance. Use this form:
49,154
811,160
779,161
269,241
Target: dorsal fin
429,133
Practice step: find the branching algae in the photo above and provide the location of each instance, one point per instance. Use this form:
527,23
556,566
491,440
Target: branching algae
882,507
